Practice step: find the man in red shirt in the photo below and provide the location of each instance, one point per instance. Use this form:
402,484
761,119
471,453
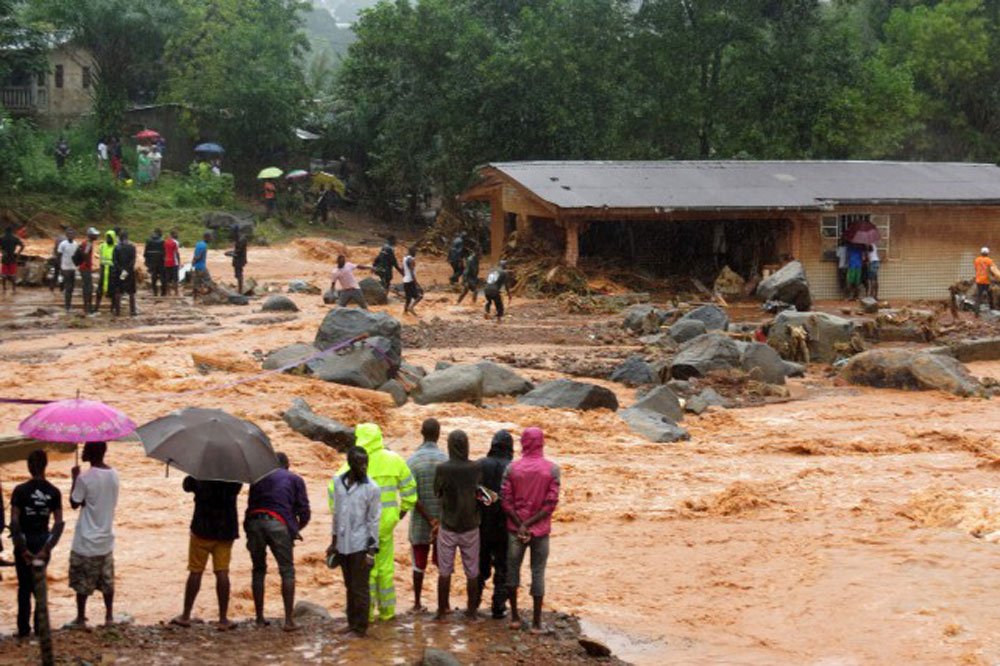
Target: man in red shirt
86,268
171,260
269,198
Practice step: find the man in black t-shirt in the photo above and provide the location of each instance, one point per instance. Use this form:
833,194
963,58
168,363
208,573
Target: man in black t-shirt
214,527
32,504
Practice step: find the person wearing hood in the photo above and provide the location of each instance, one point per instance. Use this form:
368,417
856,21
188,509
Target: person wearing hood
492,524
153,255
106,252
456,482
398,495
123,275
529,494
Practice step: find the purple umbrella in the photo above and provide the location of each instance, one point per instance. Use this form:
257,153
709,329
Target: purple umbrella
863,233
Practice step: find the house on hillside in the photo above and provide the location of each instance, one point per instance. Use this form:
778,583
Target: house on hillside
60,93
686,217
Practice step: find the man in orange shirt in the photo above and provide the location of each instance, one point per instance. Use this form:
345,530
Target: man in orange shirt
985,269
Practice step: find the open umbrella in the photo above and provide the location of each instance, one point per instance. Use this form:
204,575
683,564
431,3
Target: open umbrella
148,135
862,233
298,174
210,149
75,421
270,172
210,445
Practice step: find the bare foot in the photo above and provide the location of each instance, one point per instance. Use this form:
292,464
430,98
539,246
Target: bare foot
290,627
225,625
181,621
515,625
78,623
540,630
261,622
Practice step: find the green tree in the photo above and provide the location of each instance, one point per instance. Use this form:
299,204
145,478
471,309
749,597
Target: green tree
238,65
22,46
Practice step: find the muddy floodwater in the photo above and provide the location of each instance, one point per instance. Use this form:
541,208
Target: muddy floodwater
845,526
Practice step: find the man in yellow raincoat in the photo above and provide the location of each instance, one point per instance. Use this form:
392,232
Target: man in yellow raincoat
399,494
106,251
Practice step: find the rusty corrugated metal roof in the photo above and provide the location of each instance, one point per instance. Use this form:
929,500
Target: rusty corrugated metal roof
720,185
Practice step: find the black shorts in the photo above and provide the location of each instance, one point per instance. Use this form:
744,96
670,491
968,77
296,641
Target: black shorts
412,291
170,274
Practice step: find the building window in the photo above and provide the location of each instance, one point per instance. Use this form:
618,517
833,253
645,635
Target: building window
59,76
832,228
85,77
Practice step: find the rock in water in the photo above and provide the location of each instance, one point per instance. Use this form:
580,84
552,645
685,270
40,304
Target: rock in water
330,297
654,427
904,369
395,389
342,324
824,331
501,380
714,317
633,372
459,383
766,360
279,303
687,329
569,394
302,287
363,365
594,648
695,405
374,292
698,357
663,401
435,657
307,610
789,284
303,420
297,353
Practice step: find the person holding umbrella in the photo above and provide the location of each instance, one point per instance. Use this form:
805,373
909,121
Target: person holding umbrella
91,560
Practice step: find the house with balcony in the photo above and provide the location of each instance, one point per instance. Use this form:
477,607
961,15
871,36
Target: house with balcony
58,94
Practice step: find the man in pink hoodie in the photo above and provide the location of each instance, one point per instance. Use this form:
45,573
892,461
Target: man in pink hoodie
529,495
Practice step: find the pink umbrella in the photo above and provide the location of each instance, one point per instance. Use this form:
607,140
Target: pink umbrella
77,420
863,233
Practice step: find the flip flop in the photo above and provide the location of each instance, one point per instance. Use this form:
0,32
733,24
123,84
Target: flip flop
228,626
178,622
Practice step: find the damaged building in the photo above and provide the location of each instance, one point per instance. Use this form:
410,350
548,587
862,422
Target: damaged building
673,218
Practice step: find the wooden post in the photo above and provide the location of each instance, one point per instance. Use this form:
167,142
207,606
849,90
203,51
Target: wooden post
498,232
572,242
42,612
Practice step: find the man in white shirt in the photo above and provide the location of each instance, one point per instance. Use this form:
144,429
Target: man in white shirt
842,265
102,154
66,251
350,290
411,289
91,560
873,264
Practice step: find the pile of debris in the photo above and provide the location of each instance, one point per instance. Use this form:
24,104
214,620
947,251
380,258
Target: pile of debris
447,225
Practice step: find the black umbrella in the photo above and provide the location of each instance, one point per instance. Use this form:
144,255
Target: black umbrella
210,445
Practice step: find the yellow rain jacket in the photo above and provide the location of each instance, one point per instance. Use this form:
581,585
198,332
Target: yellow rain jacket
106,252
399,494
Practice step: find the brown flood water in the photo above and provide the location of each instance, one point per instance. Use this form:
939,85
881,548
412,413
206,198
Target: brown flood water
833,529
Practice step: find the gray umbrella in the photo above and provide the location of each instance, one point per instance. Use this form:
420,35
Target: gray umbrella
210,445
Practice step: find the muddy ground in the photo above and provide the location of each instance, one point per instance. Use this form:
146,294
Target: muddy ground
836,527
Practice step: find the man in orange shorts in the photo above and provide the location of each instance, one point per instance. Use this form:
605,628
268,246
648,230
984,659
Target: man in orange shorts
214,527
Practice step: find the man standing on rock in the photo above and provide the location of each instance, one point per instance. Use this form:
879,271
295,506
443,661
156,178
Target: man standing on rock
529,495
66,251
386,262
350,290
355,541
425,520
496,282
277,511
11,248
123,275
398,495
456,482
493,523
411,288
153,254
214,528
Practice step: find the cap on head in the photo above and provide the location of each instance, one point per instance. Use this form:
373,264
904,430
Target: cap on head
985,250
93,233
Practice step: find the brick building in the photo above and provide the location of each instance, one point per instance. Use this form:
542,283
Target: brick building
674,217
59,94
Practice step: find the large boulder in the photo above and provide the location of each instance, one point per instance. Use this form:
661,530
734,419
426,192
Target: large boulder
225,222
633,372
653,426
663,401
459,383
698,357
292,358
303,420
569,394
825,331
363,364
342,324
789,284
905,369
501,380
765,361
375,293
982,349
396,390
302,287
714,317
687,329
279,303
643,319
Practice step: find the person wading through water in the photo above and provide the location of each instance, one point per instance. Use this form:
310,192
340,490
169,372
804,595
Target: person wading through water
153,254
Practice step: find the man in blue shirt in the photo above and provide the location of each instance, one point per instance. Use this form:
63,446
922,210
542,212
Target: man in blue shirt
199,264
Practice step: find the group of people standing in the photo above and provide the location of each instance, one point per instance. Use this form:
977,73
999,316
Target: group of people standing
491,512
857,269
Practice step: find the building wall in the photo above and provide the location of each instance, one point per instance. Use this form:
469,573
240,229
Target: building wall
930,248
72,100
